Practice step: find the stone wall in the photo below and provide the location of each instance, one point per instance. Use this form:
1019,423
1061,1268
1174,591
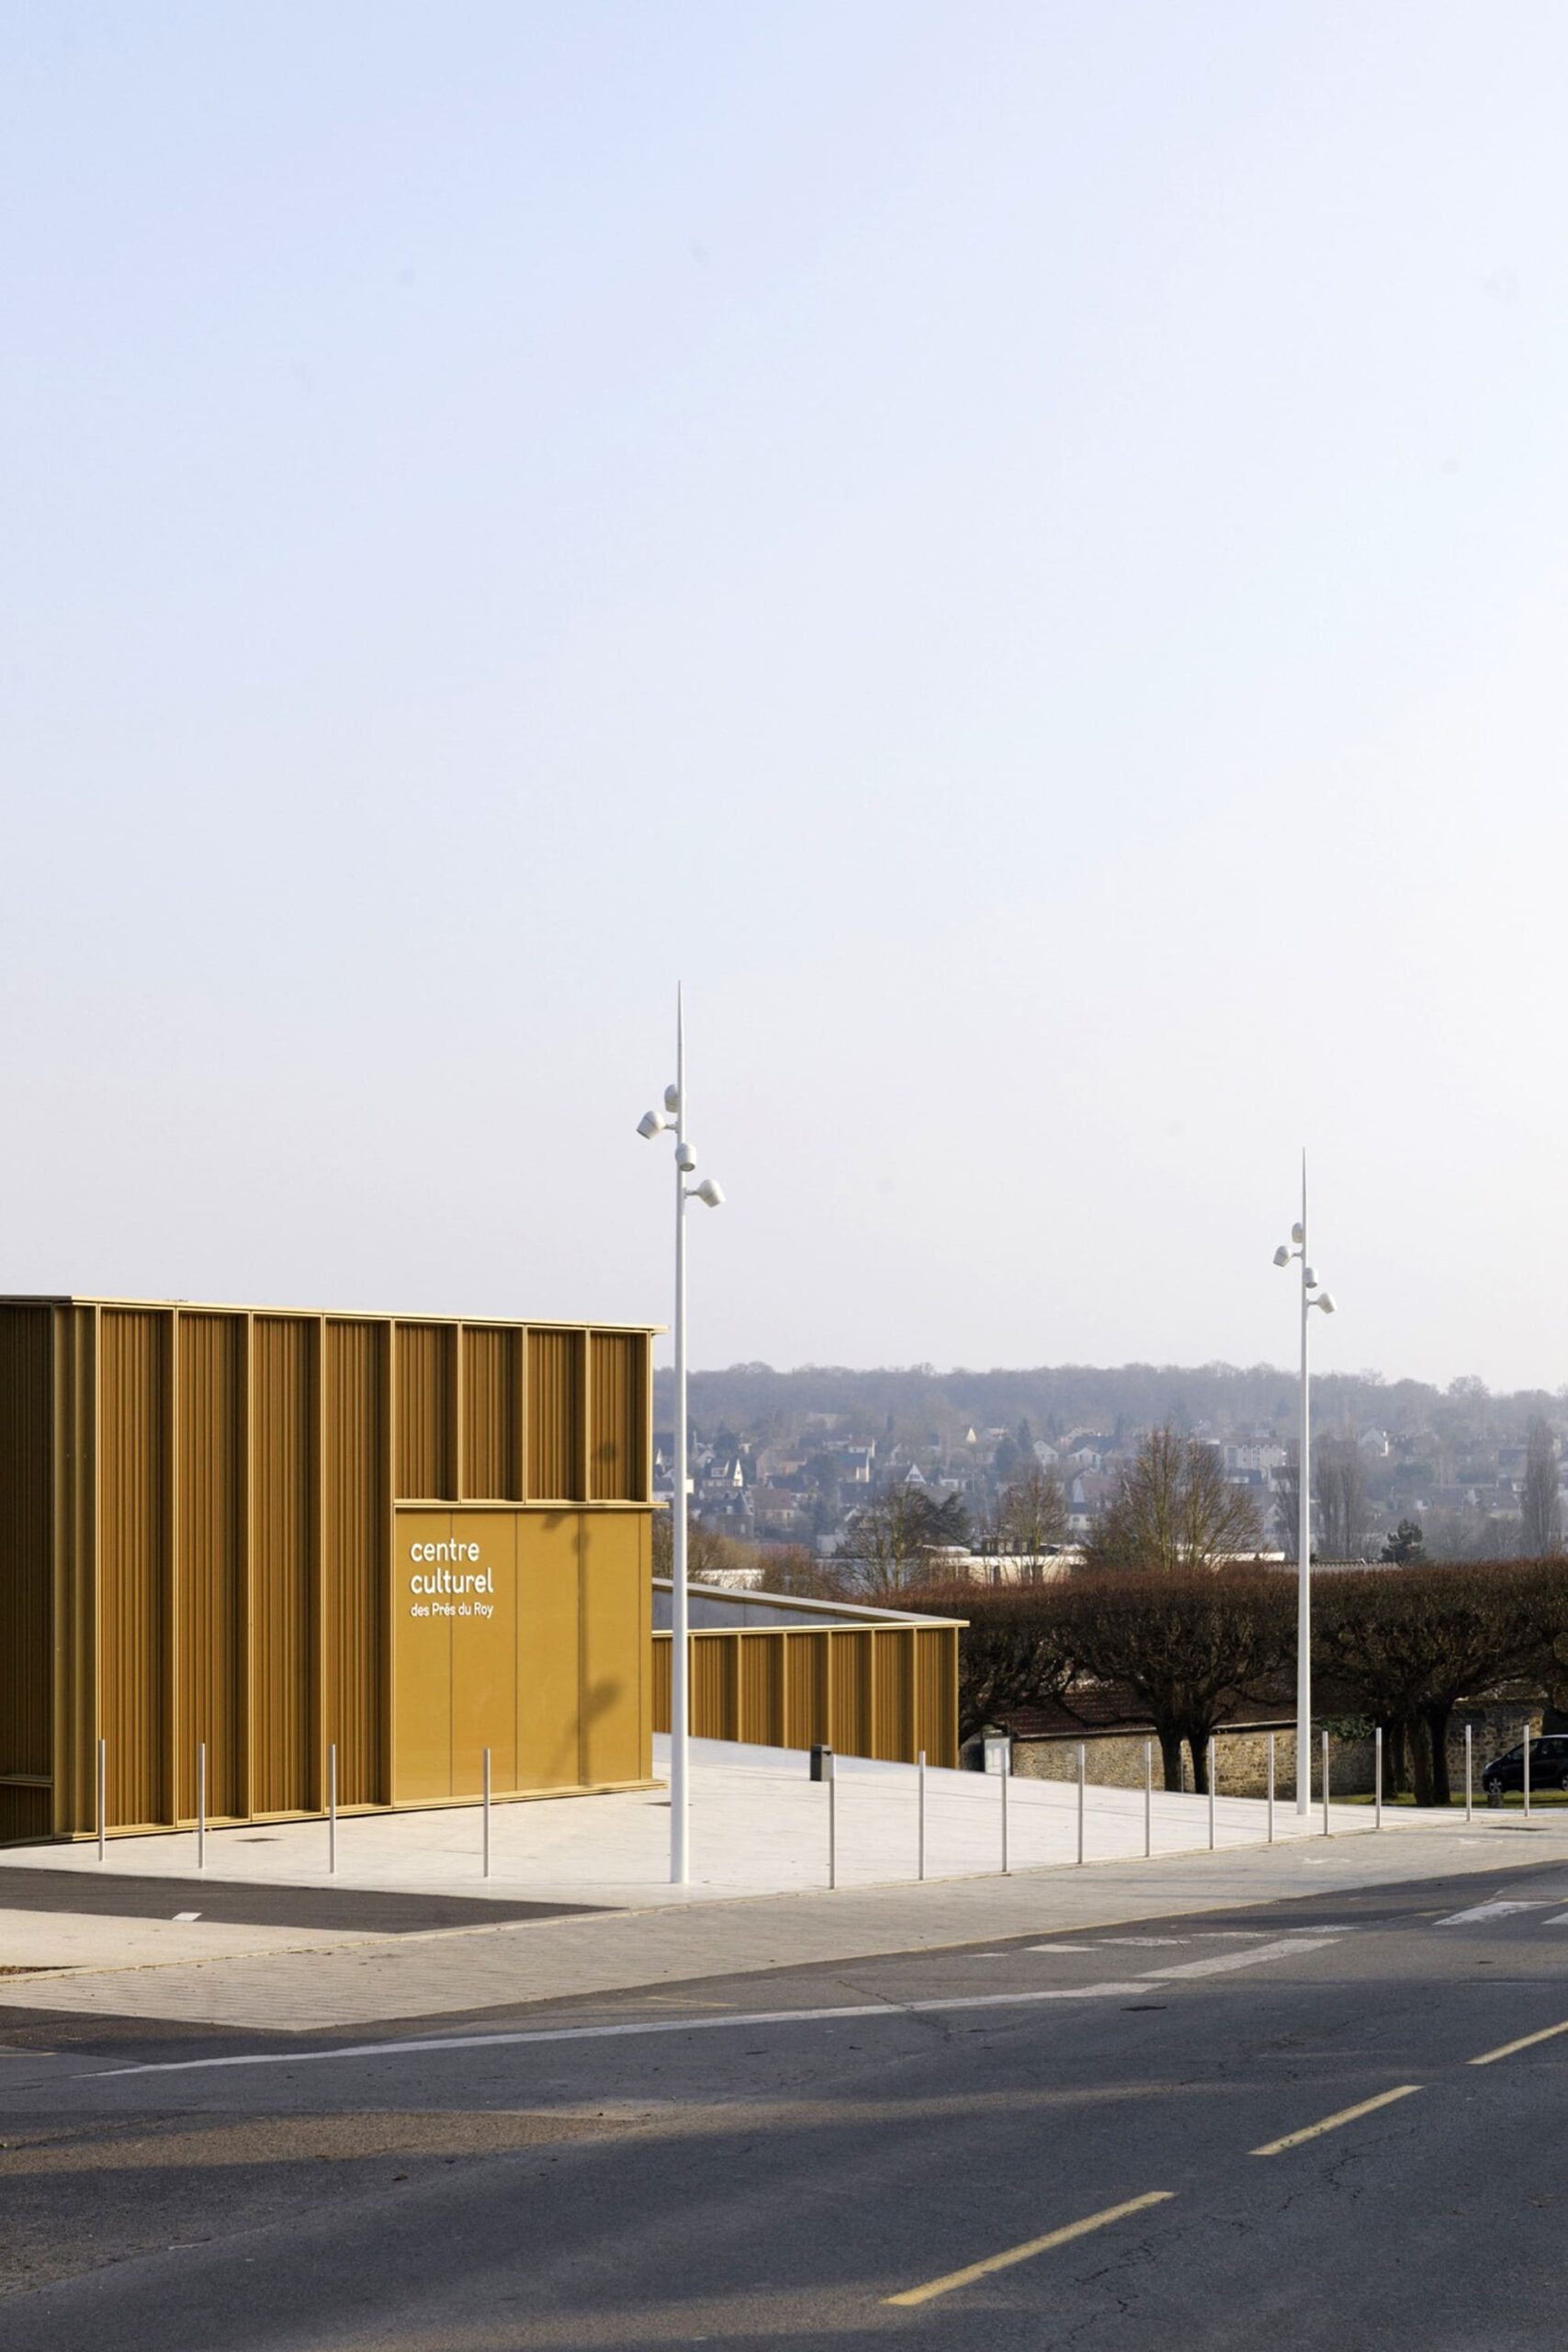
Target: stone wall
1115,1759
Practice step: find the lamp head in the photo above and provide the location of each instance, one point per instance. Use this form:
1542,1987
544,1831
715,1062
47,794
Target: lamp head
1298,1234
685,1159
1309,1277
1282,1256
709,1193
1326,1302
672,1100
651,1124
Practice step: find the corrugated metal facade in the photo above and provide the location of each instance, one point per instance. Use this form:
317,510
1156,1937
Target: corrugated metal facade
881,1690
199,1521
285,1635
26,1567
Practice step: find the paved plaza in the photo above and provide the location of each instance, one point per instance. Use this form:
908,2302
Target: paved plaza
760,1825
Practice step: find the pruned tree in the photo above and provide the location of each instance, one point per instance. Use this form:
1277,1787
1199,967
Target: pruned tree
1190,1643
1173,1508
1032,1519
1339,1491
1540,1499
1406,1547
1408,1645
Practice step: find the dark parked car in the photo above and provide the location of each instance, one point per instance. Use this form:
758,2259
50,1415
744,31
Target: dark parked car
1549,1766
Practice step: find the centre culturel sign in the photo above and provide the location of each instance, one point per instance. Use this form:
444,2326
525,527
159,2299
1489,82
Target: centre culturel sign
445,1587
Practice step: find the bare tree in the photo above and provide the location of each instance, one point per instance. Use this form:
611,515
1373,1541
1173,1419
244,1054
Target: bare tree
1339,1489
1174,1508
888,1547
1031,1521
1542,1505
710,1556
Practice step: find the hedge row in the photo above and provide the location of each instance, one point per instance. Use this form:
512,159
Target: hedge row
1400,1645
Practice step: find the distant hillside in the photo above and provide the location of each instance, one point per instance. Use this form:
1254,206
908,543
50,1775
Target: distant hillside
919,1403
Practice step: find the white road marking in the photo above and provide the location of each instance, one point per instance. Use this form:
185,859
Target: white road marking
1559,1920
186,1916
864,2009
1219,1962
860,2010
1480,1911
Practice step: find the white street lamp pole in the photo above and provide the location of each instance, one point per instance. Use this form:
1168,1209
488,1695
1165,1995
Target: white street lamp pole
1304,1542
1282,1257
680,1643
655,1122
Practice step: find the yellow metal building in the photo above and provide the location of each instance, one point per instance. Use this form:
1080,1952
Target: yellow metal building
773,1671
275,1533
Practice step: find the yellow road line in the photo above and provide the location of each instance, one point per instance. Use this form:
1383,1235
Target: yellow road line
1332,2122
1527,2041
1033,2247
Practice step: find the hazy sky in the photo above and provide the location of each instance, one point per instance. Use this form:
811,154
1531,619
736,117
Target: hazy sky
1021,549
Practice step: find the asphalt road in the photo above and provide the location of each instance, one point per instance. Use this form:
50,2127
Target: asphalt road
1298,2126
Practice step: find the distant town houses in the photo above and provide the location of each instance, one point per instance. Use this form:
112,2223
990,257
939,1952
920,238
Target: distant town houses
797,1485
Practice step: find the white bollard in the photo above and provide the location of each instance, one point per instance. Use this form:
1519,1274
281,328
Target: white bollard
103,1794
1148,1798
1325,1784
1080,1800
1468,1779
1210,1780
1377,1776
487,1811
331,1810
832,1762
1005,1777
1527,1771
201,1805
920,1815
1271,1788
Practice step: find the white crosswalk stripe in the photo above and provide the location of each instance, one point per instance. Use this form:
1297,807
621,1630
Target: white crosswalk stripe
1480,1912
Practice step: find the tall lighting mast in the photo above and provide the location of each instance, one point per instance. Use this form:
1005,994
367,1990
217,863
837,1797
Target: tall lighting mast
673,1118
1313,1294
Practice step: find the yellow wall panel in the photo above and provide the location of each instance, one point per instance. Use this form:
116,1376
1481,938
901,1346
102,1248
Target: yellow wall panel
26,1541
421,1667
617,1573
493,1412
484,1656
427,1410
550,1651
284,1665
617,1469
211,1562
357,1510
135,1547
555,1417
75,1451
